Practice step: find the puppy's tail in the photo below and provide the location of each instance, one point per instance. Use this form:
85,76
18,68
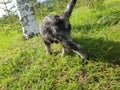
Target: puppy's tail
68,10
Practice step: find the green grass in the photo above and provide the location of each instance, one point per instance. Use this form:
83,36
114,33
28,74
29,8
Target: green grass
24,65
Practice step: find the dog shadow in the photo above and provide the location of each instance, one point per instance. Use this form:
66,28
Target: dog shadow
99,49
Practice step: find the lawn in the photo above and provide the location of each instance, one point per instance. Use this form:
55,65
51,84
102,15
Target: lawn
24,65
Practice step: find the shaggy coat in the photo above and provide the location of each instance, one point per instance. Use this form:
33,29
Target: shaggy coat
56,29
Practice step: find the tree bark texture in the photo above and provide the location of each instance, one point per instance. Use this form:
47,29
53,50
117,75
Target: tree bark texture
27,18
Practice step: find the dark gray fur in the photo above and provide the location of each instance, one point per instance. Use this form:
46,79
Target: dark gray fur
56,29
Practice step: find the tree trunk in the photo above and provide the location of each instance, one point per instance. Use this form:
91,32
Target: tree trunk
27,18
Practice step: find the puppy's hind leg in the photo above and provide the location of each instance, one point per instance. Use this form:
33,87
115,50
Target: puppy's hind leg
77,49
65,49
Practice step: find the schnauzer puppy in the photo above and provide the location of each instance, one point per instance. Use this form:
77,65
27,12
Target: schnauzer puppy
56,29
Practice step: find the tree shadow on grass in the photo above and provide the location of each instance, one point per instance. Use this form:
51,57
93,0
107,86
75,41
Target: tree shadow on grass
99,49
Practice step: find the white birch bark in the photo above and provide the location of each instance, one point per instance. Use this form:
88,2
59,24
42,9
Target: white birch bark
27,18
